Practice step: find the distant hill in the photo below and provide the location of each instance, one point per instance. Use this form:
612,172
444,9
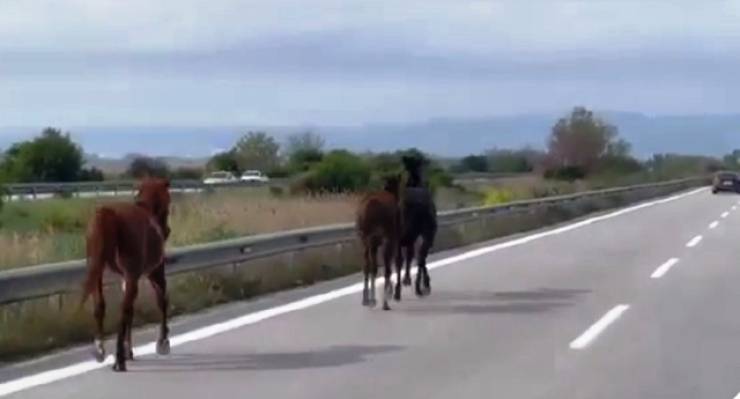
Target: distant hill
695,134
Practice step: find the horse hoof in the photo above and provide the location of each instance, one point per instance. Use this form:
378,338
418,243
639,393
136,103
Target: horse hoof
397,296
119,367
372,303
99,354
163,347
386,306
407,281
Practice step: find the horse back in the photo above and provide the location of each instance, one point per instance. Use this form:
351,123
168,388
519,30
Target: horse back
378,215
127,238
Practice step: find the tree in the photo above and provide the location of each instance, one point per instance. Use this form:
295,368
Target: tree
306,141
474,163
143,166
304,150
91,174
620,148
732,160
256,150
514,161
581,140
225,161
50,157
187,173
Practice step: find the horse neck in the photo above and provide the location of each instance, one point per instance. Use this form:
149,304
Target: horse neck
414,180
150,210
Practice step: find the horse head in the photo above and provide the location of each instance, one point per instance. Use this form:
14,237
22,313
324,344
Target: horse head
413,166
154,195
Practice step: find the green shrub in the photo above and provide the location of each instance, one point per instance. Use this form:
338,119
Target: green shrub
338,171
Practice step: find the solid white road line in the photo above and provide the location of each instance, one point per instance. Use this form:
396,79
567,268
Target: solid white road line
663,269
597,328
76,369
694,241
737,396
714,225
725,215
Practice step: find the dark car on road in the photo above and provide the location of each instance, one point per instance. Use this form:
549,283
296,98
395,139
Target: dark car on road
725,181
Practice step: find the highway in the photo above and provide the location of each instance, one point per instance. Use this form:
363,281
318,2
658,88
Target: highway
640,302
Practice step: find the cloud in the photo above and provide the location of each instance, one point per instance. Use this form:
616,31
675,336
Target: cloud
332,61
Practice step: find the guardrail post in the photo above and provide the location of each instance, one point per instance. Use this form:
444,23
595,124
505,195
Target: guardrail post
55,301
339,249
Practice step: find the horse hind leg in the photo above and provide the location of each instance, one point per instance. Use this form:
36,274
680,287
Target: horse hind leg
159,284
129,349
409,247
399,269
388,257
99,315
423,272
366,274
127,315
373,272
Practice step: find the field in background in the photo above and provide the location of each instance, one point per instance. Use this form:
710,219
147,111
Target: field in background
52,230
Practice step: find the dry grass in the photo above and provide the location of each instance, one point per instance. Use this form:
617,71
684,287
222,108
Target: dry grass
53,230
197,219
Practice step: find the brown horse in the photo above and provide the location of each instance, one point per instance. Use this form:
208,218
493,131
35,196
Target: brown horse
129,240
378,223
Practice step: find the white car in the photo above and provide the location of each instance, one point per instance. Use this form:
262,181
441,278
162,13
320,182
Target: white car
254,176
220,177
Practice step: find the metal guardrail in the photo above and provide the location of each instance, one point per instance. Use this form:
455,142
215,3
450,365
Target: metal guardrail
114,187
34,190
27,283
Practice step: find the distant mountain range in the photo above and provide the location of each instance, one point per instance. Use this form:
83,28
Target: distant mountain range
694,134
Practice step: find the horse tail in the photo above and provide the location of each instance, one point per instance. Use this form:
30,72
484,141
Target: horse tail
101,245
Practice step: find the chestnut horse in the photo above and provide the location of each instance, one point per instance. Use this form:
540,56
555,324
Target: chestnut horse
129,239
378,223
419,221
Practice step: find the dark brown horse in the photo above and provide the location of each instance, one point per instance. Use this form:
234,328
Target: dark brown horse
129,239
378,223
419,221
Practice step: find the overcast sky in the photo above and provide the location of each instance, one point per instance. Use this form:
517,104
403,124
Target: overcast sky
225,62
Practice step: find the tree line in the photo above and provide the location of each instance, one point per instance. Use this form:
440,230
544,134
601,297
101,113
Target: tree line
580,145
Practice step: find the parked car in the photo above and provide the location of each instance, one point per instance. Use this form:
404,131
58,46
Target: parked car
220,177
725,181
254,176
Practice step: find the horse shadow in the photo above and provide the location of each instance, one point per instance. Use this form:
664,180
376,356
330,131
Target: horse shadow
502,302
333,356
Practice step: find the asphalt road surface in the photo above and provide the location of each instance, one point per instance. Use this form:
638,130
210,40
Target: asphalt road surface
635,303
